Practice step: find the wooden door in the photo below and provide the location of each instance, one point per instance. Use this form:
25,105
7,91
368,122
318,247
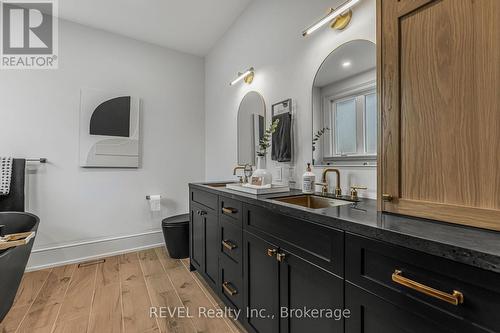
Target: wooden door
261,285
439,81
305,288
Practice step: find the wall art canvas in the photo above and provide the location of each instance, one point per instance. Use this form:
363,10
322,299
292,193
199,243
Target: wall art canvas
109,130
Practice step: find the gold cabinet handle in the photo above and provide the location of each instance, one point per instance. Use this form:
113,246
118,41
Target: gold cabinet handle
229,210
229,288
455,298
229,245
271,252
280,257
387,197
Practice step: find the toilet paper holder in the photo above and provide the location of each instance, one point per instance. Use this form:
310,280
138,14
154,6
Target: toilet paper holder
148,197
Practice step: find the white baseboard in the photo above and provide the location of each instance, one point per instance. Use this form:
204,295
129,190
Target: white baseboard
93,249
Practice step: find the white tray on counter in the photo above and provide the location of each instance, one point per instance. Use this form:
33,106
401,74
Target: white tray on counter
273,189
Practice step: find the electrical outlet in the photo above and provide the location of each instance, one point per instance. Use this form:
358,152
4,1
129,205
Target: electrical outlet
278,174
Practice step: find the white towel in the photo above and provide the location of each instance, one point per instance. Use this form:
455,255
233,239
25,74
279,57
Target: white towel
5,174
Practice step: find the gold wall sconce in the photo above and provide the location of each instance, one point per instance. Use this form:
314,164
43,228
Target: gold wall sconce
339,18
247,76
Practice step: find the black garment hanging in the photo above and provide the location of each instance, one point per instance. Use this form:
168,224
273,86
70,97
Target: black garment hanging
14,201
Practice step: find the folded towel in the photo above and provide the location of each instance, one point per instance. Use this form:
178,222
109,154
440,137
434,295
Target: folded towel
5,174
14,201
282,138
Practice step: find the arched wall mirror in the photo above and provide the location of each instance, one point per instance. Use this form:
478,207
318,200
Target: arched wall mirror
344,106
251,122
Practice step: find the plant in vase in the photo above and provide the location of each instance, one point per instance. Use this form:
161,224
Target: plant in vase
262,176
318,136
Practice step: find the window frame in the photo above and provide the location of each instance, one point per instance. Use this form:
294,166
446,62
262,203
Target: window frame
358,93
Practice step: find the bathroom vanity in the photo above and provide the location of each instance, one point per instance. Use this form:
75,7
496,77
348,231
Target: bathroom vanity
270,256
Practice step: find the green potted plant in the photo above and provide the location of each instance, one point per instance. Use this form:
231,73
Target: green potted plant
263,176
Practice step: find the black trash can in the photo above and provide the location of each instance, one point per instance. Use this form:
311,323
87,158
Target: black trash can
176,233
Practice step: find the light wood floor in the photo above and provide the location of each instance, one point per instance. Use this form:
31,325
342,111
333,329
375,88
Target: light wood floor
114,296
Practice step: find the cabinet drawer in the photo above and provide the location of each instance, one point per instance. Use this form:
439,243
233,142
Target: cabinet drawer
231,282
231,239
320,245
205,198
372,265
372,314
231,208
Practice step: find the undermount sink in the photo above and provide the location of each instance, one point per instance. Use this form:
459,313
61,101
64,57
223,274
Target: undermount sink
313,201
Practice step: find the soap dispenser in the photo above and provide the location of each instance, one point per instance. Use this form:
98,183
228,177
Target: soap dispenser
308,180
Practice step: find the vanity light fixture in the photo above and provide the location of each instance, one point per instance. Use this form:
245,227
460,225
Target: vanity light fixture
346,64
246,76
339,18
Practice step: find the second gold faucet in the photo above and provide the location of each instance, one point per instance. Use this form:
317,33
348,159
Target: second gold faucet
324,182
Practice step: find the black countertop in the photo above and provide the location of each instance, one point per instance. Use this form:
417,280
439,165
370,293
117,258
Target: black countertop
472,246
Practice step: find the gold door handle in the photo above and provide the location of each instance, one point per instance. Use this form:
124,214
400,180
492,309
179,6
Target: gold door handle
455,298
229,210
271,252
229,288
229,245
387,197
280,257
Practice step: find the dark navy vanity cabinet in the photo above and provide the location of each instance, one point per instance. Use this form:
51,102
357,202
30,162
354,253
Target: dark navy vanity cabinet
277,267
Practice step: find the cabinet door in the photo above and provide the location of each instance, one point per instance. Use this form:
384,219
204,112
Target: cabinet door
261,289
440,128
211,247
371,314
197,238
305,288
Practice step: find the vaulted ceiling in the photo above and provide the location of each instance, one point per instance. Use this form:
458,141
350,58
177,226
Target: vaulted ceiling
191,26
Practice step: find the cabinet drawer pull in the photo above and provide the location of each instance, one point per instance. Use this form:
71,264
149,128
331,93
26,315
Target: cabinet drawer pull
229,245
229,288
271,252
229,210
280,257
387,197
455,298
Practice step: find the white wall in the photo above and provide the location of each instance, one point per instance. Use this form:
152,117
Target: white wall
92,212
268,36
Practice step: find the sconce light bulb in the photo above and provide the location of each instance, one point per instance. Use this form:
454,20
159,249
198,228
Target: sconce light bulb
242,76
330,16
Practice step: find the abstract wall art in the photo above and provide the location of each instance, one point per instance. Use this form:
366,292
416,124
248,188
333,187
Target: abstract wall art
109,130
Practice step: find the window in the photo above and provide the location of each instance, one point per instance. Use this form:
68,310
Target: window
354,123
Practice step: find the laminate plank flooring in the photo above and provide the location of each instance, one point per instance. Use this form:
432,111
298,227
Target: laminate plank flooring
118,295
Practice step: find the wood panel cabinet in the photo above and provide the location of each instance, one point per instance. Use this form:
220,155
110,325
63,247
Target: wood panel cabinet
439,77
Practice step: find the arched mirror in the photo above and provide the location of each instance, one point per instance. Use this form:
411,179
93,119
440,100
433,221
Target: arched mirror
344,106
251,122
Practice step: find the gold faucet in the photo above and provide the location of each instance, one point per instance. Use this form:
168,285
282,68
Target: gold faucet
354,191
338,190
236,168
247,170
